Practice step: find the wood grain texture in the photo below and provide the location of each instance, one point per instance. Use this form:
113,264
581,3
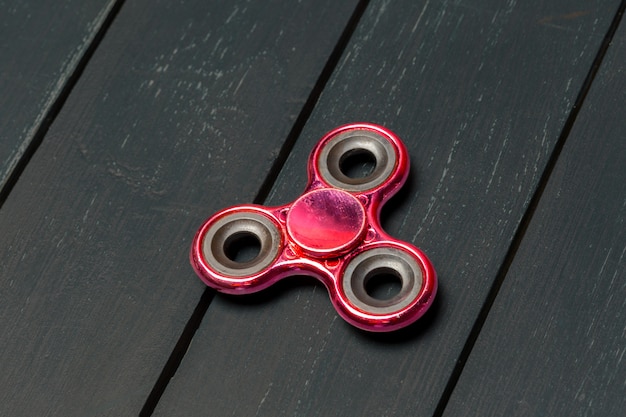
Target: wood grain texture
40,47
181,111
555,340
480,92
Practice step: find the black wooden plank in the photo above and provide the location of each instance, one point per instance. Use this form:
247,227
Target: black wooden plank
480,92
182,110
41,47
554,342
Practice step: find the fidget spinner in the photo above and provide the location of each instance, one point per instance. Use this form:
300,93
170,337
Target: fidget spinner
332,232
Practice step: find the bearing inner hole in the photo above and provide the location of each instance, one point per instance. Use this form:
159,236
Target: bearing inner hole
242,247
383,283
357,163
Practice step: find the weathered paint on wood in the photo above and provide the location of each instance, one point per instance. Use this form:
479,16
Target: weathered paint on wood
40,50
182,110
555,340
480,92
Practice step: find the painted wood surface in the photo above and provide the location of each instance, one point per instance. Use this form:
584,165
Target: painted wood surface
187,107
481,93
555,340
182,110
41,49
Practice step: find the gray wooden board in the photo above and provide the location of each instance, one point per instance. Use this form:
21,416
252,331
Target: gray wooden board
40,47
181,111
554,342
480,92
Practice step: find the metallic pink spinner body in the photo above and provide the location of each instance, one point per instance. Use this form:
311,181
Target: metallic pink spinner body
331,232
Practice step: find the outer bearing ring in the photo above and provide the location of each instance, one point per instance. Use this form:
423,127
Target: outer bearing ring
382,260
228,230
338,148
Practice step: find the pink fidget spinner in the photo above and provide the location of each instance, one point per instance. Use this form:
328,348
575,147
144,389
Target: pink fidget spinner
332,232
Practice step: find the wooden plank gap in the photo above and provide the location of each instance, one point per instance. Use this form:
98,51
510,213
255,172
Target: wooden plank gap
176,357
309,105
57,105
528,214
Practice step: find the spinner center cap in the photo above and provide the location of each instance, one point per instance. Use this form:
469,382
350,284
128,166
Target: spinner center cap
326,222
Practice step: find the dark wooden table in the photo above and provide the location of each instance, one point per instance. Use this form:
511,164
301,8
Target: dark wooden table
125,124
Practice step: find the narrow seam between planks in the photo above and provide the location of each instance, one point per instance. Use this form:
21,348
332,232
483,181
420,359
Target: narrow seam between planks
528,214
311,102
54,110
176,357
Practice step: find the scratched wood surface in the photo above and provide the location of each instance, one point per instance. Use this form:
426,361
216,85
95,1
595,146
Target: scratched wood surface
182,110
40,49
480,92
555,340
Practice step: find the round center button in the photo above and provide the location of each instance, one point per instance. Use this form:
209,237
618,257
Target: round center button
326,222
